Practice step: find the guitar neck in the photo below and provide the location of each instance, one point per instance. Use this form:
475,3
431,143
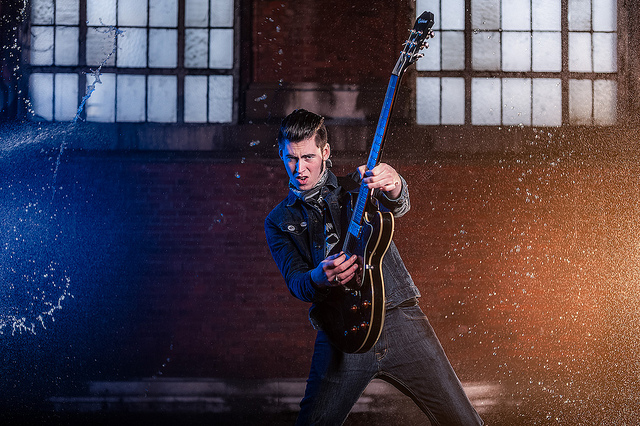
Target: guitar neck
357,218
418,35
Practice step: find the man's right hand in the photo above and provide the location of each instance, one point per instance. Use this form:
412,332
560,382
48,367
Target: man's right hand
335,270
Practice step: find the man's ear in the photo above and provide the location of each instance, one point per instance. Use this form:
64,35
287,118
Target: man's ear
326,152
280,153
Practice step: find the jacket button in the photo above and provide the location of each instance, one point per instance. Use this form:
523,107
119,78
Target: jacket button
303,224
291,228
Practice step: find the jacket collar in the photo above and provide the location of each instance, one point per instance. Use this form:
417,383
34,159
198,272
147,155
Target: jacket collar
330,185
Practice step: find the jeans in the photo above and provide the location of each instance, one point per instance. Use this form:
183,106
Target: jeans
408,355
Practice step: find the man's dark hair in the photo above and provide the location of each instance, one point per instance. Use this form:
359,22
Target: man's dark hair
300,125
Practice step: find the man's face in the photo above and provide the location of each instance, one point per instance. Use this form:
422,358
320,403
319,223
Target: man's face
304,162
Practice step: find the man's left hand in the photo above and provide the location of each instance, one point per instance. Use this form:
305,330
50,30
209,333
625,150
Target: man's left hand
383,177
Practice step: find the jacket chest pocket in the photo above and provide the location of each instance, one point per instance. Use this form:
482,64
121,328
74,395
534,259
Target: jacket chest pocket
294,228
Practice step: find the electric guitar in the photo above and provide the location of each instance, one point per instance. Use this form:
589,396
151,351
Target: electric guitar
353,315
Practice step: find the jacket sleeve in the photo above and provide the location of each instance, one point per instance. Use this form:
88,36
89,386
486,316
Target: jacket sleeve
399,206
293,266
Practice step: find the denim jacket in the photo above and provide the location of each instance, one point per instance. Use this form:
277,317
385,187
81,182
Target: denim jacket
295,234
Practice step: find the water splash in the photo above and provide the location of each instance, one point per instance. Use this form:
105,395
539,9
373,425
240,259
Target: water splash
35,282
115,32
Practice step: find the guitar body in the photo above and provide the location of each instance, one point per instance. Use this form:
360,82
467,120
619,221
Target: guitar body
353,315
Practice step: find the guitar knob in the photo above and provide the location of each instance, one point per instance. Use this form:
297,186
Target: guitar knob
354,308
364,325
355,329
366,304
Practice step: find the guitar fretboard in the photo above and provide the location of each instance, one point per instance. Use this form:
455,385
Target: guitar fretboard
357,218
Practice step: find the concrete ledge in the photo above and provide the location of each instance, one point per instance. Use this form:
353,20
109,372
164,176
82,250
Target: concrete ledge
226,396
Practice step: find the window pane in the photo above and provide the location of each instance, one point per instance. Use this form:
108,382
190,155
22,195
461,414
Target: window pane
431,60
195,99
579,15
516,97
547,102
42,12
196,13
131,98
604,102
580,101
99,45
41,95
605,52
101,105
452,15
132,48
516,51
486,51
195,49
66,48
101,12
163,45
432,6
605,15
221,45
66,97
485,14
546,15
163,13
132,13
547,52
220,98
516,15
453,101
221,13
485,101
161,104
452,50
67,12
580,52
41,45
428,100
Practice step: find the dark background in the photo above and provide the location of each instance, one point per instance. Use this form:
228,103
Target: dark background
523,241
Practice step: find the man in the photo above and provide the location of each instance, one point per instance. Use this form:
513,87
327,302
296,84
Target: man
301,232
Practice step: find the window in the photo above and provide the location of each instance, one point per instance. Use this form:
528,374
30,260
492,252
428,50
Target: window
519,62
162,61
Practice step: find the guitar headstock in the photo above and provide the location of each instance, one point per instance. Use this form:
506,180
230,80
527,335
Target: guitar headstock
417,41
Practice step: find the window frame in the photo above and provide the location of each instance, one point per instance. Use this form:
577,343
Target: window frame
468,74
83,70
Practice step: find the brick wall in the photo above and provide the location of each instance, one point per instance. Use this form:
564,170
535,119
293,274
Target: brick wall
527,266
513,259
319,41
